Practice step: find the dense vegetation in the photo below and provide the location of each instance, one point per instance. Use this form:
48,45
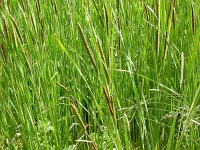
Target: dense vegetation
97,74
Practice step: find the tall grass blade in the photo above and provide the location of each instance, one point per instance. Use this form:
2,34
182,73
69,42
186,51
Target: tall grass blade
169,21
193,19
182,70
158,28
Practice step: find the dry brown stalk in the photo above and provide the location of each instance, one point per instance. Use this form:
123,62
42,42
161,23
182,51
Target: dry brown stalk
87,47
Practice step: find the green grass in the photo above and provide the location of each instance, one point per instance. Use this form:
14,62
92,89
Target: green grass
96,74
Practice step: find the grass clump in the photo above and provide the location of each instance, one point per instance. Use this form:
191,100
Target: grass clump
99,74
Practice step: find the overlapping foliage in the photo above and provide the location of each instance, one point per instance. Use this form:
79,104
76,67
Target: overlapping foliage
96,74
